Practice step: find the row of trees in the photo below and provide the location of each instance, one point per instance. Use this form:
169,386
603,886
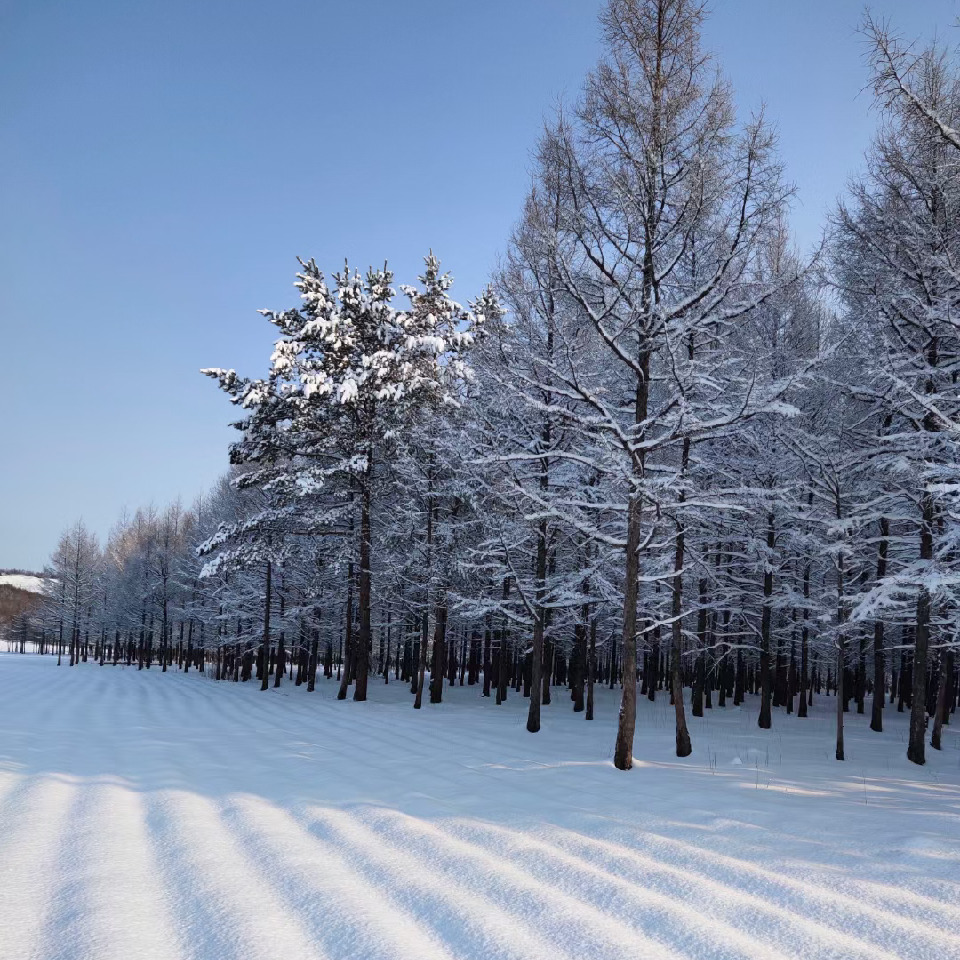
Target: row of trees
659,451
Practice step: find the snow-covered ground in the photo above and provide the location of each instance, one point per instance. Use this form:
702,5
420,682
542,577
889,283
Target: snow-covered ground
165,816
24,581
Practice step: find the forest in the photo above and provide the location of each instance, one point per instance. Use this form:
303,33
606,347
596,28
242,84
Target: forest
664,451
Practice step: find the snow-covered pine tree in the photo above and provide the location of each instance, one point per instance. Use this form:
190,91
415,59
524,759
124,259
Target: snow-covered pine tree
349,371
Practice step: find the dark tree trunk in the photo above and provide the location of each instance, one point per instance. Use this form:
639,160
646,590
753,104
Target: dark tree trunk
804,643
764,720
345,665
627,721
942,709
265,645
439,650
696,689
591,667
281,665
189,656
487,659
623,750
536,653
743,681
421,658
841,648
312,663
918,707
504,672
364,638
473,663
683,745
578,662
879,667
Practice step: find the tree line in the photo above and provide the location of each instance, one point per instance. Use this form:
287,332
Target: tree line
661,451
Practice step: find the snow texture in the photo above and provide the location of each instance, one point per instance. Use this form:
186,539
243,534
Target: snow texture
23,581
162,817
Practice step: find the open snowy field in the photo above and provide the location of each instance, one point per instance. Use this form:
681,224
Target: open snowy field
23,581
165,816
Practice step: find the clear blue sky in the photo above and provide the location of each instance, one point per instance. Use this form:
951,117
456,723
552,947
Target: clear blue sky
162,162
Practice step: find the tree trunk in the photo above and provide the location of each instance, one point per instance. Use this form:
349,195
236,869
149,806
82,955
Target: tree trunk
439,649
943,704
764,720
918,706
841,645
591,667
425,622
312,664
265,646
804,642
623,751
879,667
364,639
345,664
487,659
841,649
536,653
683,745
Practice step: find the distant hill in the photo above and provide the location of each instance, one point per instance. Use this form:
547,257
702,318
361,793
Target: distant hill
23,580
20,593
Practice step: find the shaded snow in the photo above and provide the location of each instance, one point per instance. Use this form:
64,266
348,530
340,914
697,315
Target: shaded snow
166,816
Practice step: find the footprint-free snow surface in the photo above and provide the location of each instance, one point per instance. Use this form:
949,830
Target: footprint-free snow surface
152,817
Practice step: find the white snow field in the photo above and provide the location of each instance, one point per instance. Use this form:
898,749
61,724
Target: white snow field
24,581
152,817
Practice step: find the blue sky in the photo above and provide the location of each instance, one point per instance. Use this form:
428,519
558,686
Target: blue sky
165,161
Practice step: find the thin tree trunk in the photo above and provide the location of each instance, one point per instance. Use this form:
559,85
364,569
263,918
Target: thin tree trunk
312,664
918,707
345,667
424,626
879,667
265,647
626,726
591,667
841,644
364,637
943,705
536,654
439,649
764,720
